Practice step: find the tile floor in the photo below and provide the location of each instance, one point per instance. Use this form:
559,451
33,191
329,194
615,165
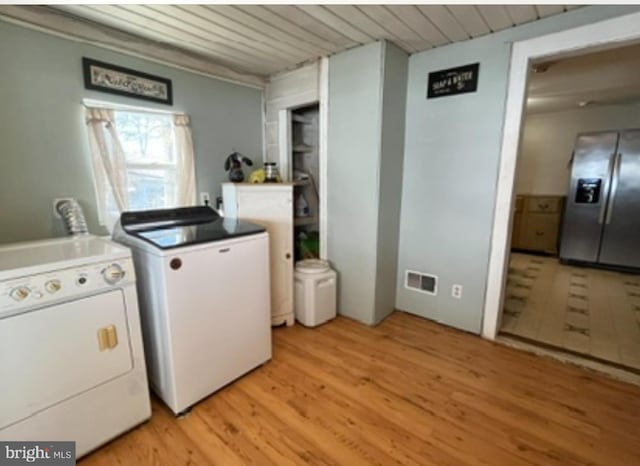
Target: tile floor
589,311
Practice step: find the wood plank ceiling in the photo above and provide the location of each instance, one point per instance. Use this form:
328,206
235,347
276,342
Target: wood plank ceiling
262,40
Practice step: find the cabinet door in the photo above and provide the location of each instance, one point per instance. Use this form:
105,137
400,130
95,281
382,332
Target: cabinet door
544,204
541,232
274,210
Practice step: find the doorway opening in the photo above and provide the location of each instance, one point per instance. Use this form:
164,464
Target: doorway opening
532,294
305,175
574,148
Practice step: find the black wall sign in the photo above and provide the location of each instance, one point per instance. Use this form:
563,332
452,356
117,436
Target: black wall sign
453,81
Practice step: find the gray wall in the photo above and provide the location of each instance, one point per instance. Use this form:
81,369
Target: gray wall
394,93
452,150
353,145
43,142
367,95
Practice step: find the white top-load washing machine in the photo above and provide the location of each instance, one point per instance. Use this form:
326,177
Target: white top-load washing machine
203,283
71,356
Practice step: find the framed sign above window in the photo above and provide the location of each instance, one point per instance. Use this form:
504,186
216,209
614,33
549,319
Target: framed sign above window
105,77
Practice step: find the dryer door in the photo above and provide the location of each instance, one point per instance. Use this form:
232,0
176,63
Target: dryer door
52,354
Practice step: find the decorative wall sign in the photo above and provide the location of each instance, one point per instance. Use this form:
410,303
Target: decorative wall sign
114,79
453,81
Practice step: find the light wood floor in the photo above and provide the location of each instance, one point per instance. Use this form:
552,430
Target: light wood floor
406,392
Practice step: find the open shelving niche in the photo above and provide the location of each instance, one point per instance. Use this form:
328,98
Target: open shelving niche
305,178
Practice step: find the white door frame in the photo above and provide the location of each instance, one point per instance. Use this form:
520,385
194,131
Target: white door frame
285,152
323,155
601,35
284,143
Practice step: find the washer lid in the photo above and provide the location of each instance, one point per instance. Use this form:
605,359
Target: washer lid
184,226
186,235
312,266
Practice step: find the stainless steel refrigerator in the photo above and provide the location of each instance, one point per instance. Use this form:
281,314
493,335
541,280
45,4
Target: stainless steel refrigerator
602,215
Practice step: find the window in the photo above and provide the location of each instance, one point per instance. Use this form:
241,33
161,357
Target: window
147,142
141,160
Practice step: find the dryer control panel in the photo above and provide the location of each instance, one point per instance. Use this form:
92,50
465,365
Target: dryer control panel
46,288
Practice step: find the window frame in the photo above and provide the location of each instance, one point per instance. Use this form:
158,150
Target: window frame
163,168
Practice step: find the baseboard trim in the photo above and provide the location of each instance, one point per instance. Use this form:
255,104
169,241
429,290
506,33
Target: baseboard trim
505,335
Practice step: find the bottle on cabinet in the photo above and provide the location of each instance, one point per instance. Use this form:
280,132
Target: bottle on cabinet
301,206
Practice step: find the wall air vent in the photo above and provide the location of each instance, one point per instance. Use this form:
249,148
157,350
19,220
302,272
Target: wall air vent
422,282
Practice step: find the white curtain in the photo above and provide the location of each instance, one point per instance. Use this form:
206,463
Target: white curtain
186,188
109,164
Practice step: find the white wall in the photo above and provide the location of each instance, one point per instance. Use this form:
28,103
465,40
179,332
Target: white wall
548,140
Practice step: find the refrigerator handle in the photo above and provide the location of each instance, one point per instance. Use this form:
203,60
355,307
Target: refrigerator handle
603,207
614,187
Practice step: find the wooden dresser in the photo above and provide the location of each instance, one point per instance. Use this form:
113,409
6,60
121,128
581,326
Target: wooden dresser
536,223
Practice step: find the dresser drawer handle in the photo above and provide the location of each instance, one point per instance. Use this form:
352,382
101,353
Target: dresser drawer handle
539,233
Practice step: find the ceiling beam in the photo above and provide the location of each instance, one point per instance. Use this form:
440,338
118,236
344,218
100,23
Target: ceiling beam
71,27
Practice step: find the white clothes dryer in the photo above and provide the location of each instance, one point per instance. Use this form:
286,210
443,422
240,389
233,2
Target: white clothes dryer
71,356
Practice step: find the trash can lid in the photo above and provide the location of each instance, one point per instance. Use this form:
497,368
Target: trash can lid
312,266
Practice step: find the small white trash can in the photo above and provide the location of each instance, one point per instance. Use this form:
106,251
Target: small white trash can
315,292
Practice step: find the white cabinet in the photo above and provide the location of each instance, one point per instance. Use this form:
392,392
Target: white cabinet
270,205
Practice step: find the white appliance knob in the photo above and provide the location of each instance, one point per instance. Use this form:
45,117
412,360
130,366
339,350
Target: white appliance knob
113,274
82,279
53,286
20,293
